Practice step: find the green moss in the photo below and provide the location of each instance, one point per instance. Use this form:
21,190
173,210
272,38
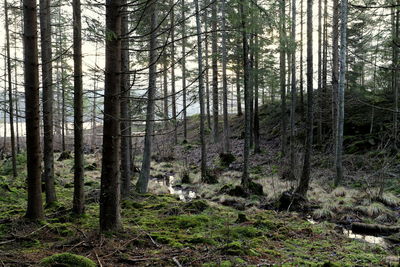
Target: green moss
234,248
67,260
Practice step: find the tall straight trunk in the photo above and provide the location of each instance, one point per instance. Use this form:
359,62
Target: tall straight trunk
395,76
257,148
319,90
238,93
173,98
94,107
340,101
201,95
184,70
282,75
5,103
16,91
126,171
226,142
10,93
324,79
335,61
63,115
251,87
304,182
165,88
110,217
214,48
79,194
247,118
293,91
32,113
206,43
301,62
145,172
47,82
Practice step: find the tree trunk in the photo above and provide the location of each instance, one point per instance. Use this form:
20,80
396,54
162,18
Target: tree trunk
319,89
257,148
293,93
226,143
282,75
10,93
301,63
302,188
47,82
395,76
335,61
340,101
79,194
125,118
174,119
184,70
201,96
238,94
165,88
214,36
247,118
207,66
32,113
110,217
145,172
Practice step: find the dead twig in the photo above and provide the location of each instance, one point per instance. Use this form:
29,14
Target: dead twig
176,262
98,259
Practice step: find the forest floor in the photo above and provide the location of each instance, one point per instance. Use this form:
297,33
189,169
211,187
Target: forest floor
186,223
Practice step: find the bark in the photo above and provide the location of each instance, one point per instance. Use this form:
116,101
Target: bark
201,96
340,101
79,194
174,119
293,92
165,88
301,63
206,43
226,142
10,93
95,81
214,48
184,71
395,77
304,182
282,75
319,89
335,61
238,93
47,82
126,171
110,218
256,89
145,171
247,118
31,73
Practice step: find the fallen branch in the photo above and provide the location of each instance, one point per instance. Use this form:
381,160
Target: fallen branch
374,229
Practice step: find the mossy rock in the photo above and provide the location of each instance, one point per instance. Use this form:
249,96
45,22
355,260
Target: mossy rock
196,206
64,155
256,189
235,191
226,159
67,260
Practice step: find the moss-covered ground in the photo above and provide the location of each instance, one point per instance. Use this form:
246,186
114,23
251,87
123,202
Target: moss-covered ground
161,230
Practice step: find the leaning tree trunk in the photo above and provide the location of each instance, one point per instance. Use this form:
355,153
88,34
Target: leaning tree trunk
10,94
79,194
32,113
126,171
226,142
110,217
302,188
340,101
145,172
47,81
